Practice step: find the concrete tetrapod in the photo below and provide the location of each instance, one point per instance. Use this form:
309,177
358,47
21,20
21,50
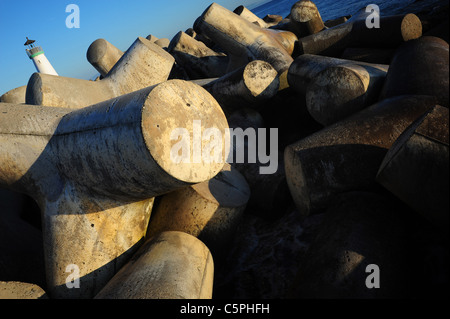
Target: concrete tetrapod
171,265
94,173
247,86
307,67
210,211
241,38
143,65
419,67
416,167
102,55
393,31
346,156
198,60
360,229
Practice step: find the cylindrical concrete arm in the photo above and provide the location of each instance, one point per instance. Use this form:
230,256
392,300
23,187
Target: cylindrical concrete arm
247,86
250,16
51,90
196,58
306,67
172,265
122,147
102,55
240,37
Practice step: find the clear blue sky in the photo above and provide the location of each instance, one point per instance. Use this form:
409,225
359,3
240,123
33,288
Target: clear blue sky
118,21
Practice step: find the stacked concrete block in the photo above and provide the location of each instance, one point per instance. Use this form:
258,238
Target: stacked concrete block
95,172
102,55
144,64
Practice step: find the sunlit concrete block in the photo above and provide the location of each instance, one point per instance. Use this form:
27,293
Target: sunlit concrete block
95,171
210,211
15,96
241,38
198,60
102,55
143,65
170,265
21,290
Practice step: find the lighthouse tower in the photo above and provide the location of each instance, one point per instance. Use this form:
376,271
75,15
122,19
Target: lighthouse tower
36,54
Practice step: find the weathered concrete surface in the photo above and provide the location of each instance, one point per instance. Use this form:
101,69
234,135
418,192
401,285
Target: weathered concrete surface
306,18
21,290
210,211
15,96
346,155
359,229
143,65
416,167
241,38
419,67
196,58
247,86
393,31
95,171
340,91
171,265
102,55
163,43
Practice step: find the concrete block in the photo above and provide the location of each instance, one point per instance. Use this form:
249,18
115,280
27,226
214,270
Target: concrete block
143,65
241,38
360,229
307,67
306,18
163,43
15,96
94,173
393,31
102,55
419,67
171,265
250,16
198,60
247,86
347,155
21,290
210,211
416,167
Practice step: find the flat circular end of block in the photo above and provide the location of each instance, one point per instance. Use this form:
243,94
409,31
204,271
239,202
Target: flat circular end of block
304,11
336,93
96,50
261,79
411,27
180,124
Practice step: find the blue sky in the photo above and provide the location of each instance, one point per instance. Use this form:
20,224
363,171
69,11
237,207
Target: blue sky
118,21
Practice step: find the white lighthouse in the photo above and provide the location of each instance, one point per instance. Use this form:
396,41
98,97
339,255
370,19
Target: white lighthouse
36,54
